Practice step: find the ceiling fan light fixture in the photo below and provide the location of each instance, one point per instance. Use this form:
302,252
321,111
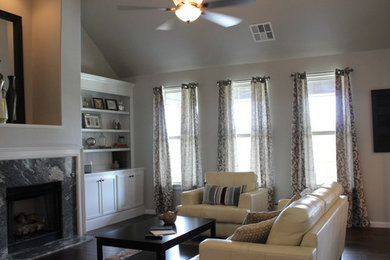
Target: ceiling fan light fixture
188,12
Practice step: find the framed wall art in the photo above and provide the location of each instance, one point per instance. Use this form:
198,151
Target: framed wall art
381,119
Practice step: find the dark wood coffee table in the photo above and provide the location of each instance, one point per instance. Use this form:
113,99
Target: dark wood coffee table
133,235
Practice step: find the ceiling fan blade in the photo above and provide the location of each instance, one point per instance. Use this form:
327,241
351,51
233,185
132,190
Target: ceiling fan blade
168,25
223,3
221,19
135,8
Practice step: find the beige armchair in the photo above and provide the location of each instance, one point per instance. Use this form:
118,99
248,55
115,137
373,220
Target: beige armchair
228,218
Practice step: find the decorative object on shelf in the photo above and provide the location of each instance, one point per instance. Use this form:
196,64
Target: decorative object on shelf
3,101
90,142
111,104
121,139
102,141
116,124
115,165
168,217
91,121
88,167
11,98
85,102
121,142
121,107
98,103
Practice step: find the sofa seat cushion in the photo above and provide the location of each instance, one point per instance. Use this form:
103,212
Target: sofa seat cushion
294,221
221,213
254,233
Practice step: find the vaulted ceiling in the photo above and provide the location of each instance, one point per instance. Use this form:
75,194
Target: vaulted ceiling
302,28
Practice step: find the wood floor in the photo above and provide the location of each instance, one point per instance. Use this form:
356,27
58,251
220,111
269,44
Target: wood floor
361,244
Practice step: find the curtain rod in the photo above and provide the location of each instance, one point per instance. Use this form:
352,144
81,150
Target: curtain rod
347,69
244,80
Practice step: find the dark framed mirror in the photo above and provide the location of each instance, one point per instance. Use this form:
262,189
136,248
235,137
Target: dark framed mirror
15,58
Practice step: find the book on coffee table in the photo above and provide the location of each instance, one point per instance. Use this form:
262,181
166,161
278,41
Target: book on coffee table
162,232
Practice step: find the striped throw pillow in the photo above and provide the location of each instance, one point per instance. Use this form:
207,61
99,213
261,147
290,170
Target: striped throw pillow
218,195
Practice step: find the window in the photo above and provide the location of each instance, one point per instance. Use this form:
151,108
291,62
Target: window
172,97
242,117
322,104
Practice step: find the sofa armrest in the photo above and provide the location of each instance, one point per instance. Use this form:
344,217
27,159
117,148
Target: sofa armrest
192,197
282,203
256,200
212,249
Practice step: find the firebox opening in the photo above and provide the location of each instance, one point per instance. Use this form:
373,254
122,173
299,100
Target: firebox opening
34,215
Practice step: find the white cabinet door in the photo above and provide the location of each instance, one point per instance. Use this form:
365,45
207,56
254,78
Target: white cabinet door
124,190
92,197
130,185
138,189
108,194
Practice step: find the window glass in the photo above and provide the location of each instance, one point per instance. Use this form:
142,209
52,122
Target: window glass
172,99
242,117
322,104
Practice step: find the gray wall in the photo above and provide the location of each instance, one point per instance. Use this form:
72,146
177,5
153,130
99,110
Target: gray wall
371,72
69,133
92,60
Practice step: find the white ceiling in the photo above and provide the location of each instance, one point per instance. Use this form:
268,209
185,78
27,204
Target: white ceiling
303,28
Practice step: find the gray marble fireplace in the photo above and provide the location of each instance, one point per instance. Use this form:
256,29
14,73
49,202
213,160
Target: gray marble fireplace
30,172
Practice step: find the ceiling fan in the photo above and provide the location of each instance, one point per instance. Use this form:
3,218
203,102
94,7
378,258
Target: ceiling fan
190,10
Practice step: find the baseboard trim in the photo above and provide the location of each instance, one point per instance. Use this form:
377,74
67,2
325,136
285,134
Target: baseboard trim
150,211
379,224
113,218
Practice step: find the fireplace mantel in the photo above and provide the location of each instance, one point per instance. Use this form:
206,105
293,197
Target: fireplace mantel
17,153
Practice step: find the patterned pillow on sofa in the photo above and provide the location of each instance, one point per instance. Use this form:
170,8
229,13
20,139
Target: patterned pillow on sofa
254,233
218,195
255,217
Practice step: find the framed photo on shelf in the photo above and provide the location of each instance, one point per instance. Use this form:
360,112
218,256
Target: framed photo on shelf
92,121
111,104
98,103
85,102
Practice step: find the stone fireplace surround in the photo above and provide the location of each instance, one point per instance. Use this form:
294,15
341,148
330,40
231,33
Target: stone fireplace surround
30,166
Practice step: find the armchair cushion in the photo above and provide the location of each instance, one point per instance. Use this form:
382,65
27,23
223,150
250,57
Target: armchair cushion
218,195
192,197
254,233
221,213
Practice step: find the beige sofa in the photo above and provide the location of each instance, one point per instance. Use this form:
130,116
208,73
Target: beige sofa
312,227
228,218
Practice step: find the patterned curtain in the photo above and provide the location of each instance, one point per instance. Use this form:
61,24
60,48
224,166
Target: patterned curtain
191,170
261,141
227,158
302,164
163,192
348,163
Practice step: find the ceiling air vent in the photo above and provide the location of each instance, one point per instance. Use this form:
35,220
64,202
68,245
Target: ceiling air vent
262,32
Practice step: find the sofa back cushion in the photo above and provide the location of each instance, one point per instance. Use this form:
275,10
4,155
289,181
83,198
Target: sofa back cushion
294,221
230,179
